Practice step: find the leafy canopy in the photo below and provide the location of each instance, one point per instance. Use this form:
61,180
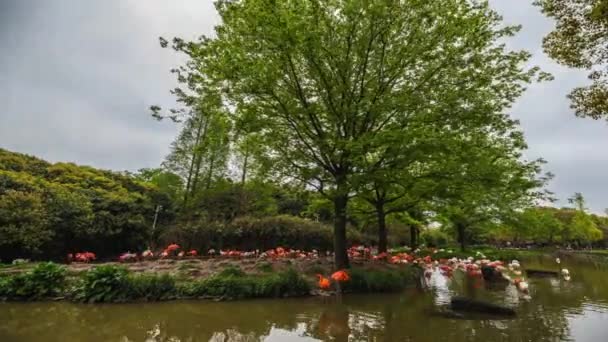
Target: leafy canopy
580,40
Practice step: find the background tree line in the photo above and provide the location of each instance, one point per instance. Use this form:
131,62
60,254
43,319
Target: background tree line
48,210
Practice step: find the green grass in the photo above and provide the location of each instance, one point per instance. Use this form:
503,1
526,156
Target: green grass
265,267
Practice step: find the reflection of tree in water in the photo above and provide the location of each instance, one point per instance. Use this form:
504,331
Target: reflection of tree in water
333,323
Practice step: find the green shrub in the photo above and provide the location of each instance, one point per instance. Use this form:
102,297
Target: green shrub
231,271
249,233
151,287
284,284
264,267
4,286
366,281
43,281
106,283
231,286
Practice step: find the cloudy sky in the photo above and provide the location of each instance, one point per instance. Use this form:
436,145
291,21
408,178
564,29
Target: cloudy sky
77,78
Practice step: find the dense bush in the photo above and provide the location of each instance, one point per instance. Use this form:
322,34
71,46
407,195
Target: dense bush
249,233
115,284
234,285
105,283
44,281
48,210
151,287
370,280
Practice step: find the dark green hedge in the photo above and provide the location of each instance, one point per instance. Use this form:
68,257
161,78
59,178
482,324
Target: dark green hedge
249,233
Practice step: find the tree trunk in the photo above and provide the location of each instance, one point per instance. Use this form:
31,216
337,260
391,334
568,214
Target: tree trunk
382,233
210,172
340,204
241,200
245,165
461,237
413,236
196,159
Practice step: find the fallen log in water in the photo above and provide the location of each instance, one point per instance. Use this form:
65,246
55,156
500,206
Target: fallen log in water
472,305
447,314
541,273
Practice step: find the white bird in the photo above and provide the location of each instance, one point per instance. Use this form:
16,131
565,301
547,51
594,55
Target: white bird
523,286
558,261
565,272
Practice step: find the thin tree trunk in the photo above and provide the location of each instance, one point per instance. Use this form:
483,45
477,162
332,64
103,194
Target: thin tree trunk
461,236
199,161
413,236
241,201
210,172
245,165
340,204
382,233
196,160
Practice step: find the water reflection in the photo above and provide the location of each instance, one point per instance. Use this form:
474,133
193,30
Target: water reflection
556,310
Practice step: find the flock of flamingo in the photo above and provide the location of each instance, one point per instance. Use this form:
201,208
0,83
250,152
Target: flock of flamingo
472,267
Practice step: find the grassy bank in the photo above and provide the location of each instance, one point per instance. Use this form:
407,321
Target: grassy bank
111,283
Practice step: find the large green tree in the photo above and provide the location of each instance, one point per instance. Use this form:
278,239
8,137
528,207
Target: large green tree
332,81
580,40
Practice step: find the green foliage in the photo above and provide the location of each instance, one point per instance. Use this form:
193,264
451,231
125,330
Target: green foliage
373,280
434,238
579,41
338,118
547,225
150,287
24,223
111,284
265,267
103,284
49,210
167,182
231,286
250,233
584,229
43,281
231,271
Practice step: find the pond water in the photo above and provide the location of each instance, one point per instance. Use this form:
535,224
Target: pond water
556,310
